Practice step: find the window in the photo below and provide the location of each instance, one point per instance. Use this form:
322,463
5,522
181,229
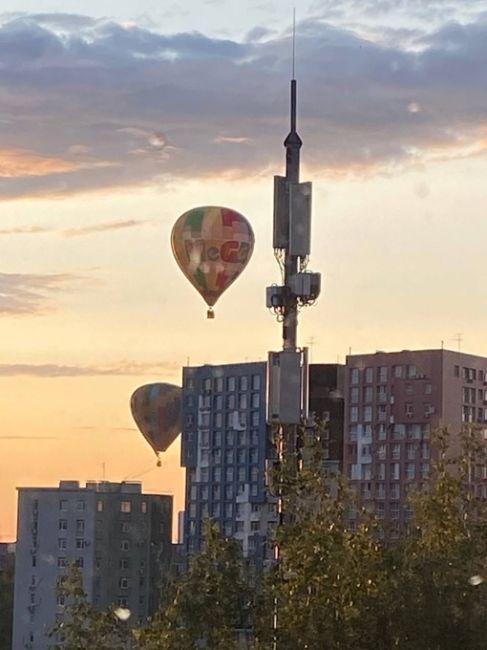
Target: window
60,600
368,394
125,527
80,526
229,474
395,471
412,371
380,492
425,470
244,383
408,409
207,383
204,474
425,450
124,563
219,385
397,371
204,492
217,474
353,414
255,400
229,492
124,545
382,374
354,375
396,452
123,583
242,474
381,471
394,491
125,506
428,389
230,438
410,471
382,412
62,543
229,510
367,414
99,506
255,526
63,505
395,510
63,524
381,432
411,451
354,395
143,507
61,562
123,602
369,375
253,456
366,469
243,401
79,562
231,384
80,506
239,527
256,382
34,560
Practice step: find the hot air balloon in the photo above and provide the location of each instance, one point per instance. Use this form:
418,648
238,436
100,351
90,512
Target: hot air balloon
212,246
156,409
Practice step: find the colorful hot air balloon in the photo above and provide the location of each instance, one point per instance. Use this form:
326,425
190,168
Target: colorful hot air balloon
212,246
156,409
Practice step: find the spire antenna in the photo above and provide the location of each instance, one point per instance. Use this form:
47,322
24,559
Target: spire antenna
294,43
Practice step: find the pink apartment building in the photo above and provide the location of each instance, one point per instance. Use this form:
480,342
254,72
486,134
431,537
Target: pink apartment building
393,400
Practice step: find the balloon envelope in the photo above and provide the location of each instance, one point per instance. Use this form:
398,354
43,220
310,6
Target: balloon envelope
212,246
156,409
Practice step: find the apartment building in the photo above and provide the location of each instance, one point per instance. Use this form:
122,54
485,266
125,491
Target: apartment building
118,537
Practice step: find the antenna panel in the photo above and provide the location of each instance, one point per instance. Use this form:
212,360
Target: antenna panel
299,219
281,212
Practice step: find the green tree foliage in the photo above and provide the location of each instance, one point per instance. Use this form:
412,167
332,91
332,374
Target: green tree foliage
438,597
207,605
335,586
6,607
83,626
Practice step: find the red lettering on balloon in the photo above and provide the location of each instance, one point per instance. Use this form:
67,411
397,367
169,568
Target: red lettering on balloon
229,251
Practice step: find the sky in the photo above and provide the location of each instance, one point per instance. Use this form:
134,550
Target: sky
117,117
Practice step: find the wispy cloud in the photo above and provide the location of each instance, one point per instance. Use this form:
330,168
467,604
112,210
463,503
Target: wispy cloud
29,293
103,227
74,232
56,370
146,108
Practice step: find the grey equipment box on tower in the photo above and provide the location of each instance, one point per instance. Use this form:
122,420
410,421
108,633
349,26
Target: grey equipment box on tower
285,387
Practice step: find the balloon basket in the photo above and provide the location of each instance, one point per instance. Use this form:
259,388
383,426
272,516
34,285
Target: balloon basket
159,462
210,313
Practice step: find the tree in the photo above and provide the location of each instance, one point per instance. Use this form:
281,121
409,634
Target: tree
326,587
83,626
6,606
207,605
438,598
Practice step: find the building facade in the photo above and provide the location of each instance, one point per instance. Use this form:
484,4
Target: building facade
224,449
119,538
392,403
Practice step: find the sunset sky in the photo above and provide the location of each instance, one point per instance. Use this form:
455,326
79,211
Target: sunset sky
117,116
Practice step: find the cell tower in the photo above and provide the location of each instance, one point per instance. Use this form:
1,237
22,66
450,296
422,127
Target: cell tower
288,369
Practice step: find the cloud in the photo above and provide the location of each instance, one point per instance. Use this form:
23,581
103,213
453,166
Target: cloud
94,105
51,370
24,293
103,227
74,232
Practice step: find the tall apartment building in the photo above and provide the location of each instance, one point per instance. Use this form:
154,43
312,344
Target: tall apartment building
224,450
119,537
226,445
392,403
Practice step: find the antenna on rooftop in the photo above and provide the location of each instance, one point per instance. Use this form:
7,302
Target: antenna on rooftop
459,339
